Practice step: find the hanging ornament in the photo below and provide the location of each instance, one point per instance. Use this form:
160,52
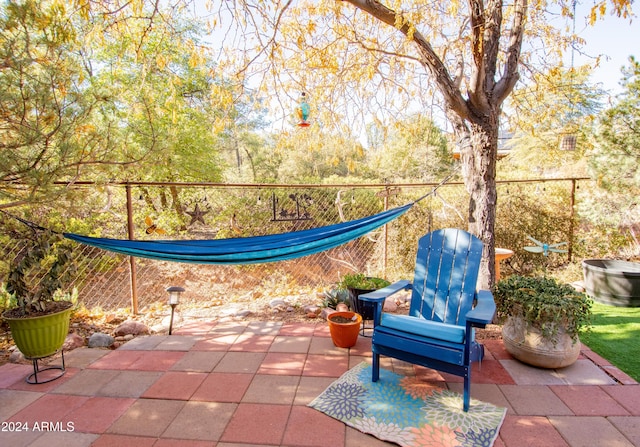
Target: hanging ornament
152,227
568,142
303,111
197,215
545,249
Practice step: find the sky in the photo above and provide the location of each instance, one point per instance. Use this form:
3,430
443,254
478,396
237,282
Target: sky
613,37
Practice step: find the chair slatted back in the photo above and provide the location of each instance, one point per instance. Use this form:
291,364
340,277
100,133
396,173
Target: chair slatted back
446,274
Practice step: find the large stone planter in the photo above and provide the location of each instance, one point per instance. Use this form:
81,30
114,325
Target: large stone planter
527,345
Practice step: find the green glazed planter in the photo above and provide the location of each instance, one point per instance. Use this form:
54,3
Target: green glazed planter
38,337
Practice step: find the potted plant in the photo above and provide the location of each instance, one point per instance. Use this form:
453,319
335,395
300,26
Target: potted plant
39,320
336,299
344,325
358,284
542,319
344,328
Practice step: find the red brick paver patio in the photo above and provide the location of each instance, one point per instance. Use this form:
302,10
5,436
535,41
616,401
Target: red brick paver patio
238,384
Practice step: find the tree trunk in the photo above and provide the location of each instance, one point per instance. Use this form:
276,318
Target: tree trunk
475,118
478,150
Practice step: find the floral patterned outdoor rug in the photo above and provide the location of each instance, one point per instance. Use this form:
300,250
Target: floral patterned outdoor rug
408,411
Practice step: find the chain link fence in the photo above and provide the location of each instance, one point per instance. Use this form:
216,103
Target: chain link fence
201,211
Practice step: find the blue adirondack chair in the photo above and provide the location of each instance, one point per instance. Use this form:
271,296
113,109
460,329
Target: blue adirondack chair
445,307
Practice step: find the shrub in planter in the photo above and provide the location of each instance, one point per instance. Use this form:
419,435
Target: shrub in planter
360,281
39,320
358,284
542,319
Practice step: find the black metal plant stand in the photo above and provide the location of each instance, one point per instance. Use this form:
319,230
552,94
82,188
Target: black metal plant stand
368,328
365,309
33,378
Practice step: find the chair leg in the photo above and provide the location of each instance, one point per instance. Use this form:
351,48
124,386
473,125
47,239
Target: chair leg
467,391
375,367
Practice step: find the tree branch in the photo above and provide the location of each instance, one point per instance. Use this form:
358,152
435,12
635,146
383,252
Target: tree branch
272,40
429,59
510,76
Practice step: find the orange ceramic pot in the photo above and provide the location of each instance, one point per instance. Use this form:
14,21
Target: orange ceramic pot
344,333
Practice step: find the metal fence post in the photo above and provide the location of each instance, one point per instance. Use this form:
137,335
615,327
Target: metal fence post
132,261
572,212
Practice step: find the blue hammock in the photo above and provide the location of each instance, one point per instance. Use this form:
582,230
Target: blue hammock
249,250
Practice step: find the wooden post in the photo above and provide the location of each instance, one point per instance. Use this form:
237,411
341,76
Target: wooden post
132,261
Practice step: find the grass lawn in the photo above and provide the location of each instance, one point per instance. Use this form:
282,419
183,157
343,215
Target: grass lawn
615,335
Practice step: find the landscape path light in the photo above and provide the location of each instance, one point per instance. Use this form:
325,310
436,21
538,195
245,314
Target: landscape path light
174,300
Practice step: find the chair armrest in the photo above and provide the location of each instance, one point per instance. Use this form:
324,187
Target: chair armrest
381,294
378,296
482,314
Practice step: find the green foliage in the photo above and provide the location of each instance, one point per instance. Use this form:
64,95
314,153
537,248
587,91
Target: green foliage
614,335
334,297
600,235
7,300
558,103
164,108
312,154
544,303
93,101
362,282
40,272
615,162
536,210
616,159
413,149
41,78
